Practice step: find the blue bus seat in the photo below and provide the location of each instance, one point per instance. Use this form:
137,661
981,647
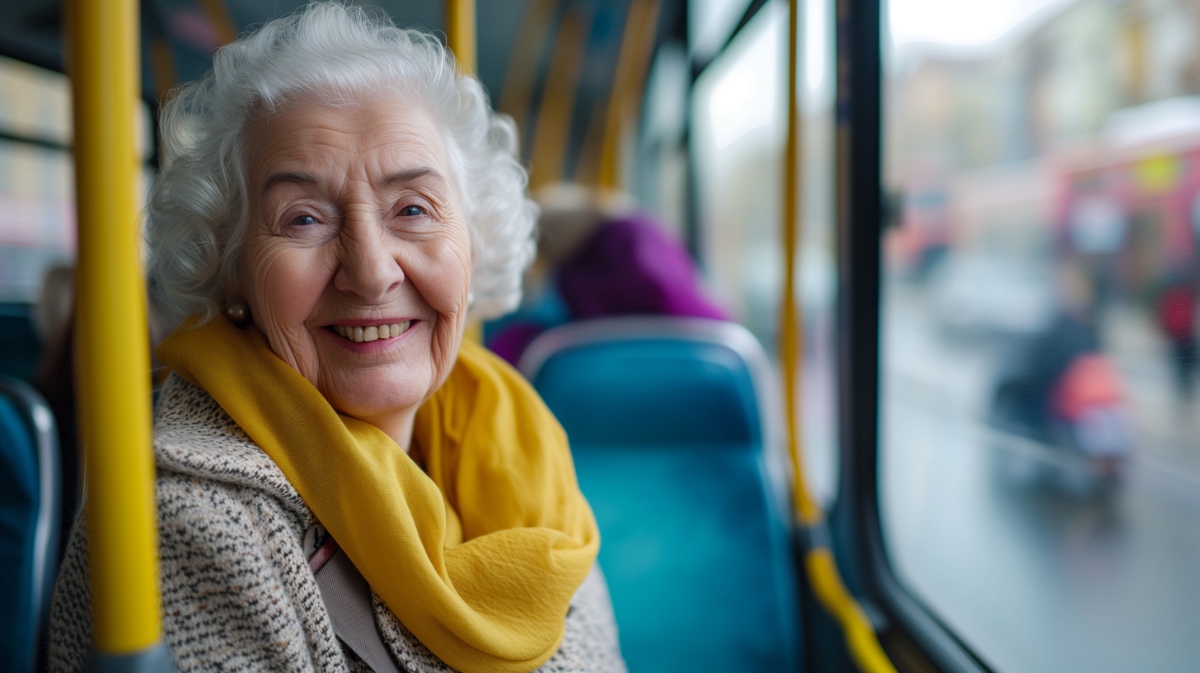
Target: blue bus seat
29,523
20,345
671,436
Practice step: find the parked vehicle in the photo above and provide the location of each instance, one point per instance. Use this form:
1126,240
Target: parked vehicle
981,296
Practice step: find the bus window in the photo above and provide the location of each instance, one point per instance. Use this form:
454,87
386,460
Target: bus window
37,185
1039,445
37,222
739,129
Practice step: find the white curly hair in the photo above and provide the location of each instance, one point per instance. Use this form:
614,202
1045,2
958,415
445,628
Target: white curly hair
196,214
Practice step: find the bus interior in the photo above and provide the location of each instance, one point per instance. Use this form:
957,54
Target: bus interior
872,325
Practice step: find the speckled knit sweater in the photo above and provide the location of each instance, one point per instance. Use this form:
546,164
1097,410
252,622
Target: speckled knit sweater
237,591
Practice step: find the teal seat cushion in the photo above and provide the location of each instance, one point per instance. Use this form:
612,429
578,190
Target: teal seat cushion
699,581
667,432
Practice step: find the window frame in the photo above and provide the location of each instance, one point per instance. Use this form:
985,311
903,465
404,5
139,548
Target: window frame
903,621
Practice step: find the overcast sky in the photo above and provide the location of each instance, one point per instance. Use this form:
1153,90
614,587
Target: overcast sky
963,23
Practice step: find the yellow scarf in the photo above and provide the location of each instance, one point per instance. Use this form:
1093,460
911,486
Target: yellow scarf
480,554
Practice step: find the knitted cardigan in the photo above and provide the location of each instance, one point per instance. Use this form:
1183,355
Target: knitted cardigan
237,591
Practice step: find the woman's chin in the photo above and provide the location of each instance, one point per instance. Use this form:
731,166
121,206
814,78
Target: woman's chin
386,391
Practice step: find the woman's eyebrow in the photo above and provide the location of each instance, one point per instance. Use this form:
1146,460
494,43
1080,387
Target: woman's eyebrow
297,178
412,174
288,177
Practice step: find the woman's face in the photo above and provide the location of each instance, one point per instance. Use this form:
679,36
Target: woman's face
357,261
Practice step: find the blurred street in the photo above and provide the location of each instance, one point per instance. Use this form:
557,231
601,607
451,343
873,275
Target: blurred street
1007,540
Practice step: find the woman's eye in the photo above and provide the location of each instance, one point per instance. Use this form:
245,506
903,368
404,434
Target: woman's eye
304,220
412,211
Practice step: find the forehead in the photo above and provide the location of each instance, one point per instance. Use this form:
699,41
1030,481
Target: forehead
382,133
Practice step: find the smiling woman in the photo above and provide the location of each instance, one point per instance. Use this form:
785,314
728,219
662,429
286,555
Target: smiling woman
354,224
343,484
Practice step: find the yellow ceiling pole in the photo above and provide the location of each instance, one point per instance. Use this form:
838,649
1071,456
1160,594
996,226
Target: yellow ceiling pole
112,342
460,34
819,562
552,134
790,328
587,168
636,45
220,19
522,71
460,37
162,64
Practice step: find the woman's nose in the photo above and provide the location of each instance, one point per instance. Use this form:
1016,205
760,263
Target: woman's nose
370,266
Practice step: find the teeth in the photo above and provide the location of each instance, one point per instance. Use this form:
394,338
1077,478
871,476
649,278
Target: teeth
373,332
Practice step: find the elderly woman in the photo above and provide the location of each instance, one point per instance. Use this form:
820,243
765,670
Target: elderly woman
343,482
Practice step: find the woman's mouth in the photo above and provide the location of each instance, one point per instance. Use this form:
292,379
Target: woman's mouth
365,333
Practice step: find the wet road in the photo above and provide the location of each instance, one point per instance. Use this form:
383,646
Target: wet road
1040,575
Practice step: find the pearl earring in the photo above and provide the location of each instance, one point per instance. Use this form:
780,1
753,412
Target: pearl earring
238,312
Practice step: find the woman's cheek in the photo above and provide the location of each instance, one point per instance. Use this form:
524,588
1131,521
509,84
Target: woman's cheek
286,294
447,275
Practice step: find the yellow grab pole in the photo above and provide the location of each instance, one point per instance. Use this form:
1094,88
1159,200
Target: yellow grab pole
162,64
460,33
552,134
220,19
641,25
522,71
791,332
112,343
819,562
460,37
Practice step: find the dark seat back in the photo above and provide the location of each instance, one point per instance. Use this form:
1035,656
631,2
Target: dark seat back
20,346
29,520
667,426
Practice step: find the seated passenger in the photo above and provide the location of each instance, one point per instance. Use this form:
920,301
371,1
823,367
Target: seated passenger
339,203
600,258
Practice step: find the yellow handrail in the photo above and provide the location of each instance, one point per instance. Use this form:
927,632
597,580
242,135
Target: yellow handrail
162,67
636,44
819,561
460,37
112,345
460,34
553,129
791,331
521,73
220,19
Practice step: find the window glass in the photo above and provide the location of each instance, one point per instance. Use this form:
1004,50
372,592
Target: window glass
37,217
817,270
710,22
658,168
37,183
1040,437
36,102
739,133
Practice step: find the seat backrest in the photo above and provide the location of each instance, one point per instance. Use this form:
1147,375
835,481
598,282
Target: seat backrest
29,523
20,345
671,435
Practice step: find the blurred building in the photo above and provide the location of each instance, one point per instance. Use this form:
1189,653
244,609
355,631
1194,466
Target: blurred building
37,209
1078,133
